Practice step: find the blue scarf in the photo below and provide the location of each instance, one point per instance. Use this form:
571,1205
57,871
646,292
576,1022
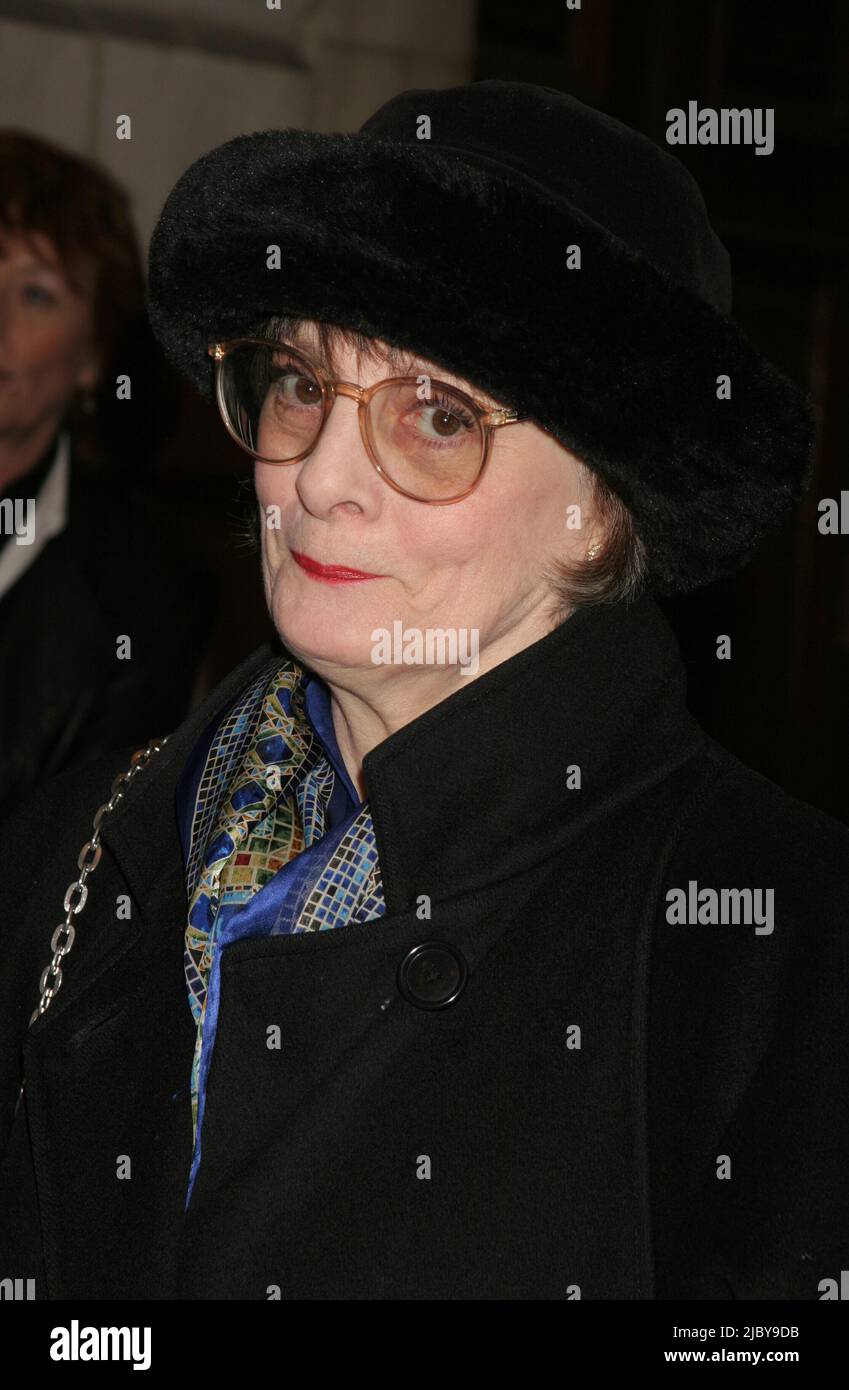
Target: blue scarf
260,859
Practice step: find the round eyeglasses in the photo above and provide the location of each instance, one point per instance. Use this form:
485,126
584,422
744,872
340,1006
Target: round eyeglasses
426,439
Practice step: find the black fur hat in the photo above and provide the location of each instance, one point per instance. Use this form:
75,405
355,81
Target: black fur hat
460,247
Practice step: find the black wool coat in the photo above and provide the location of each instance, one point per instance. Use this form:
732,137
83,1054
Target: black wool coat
605,1105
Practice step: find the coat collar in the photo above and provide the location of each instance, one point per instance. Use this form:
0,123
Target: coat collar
498,776
505,772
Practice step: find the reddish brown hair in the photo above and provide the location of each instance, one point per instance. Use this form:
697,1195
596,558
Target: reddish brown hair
87,217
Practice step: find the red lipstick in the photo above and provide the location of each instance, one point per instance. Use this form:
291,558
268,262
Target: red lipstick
331,574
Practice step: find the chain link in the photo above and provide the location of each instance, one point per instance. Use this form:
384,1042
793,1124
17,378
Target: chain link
76,895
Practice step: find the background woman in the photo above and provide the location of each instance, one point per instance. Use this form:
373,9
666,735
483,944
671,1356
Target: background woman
86,555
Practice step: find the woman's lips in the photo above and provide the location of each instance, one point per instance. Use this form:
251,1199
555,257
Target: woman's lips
331,574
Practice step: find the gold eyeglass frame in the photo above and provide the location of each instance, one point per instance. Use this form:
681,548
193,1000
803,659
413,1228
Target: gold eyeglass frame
488,420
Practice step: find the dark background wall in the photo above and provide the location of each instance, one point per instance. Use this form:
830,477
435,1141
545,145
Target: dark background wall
782,701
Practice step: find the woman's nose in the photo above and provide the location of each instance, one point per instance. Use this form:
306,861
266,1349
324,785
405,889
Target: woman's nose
338,468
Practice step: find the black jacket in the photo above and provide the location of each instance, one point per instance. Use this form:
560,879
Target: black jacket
613,1105
121,566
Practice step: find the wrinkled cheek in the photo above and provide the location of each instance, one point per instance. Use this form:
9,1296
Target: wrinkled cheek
270,561
264,489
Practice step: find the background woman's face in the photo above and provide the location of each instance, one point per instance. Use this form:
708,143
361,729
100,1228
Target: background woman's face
45,338
475,564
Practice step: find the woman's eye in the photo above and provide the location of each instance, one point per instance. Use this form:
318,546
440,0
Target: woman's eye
298,390
440,423
38,294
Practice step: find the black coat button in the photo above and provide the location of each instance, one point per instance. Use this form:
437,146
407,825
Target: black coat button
432,975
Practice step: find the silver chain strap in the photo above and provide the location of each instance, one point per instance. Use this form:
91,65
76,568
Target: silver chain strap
77,894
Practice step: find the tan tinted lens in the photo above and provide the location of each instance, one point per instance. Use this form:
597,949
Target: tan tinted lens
272,401
431,445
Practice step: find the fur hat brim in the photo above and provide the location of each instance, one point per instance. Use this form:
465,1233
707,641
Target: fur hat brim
469,267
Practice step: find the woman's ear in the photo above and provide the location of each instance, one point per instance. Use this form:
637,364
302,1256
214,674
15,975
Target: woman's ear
90,372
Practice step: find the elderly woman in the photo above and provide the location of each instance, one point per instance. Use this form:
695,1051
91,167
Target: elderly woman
441,954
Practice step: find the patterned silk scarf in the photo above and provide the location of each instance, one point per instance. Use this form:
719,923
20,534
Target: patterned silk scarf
262,799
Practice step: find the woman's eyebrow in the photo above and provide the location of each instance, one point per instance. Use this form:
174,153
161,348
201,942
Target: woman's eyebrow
401,362
409,364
